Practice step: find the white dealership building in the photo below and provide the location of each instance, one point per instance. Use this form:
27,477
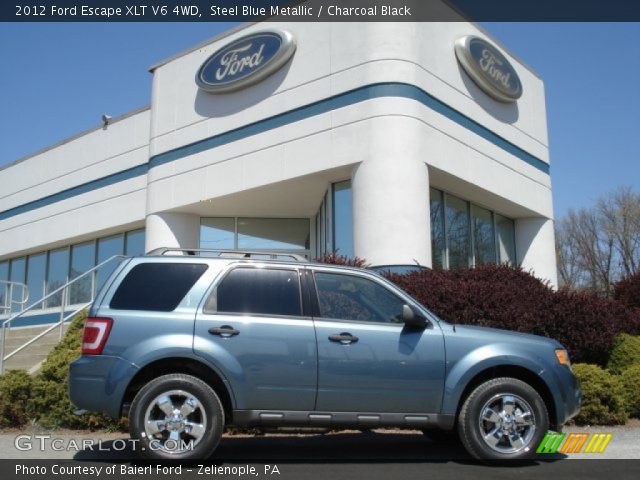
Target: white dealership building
395,142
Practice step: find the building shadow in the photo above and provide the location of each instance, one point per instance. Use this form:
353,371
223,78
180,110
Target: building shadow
213,105
368,447
505,112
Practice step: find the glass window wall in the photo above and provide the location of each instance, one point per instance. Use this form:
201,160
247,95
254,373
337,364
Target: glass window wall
83,258
4,275
273,234
343,218
464,234
438,251
218,233
229,233
43,272
107,248
18,274
36,275
484,242
57,274
505,238
457,231
134,243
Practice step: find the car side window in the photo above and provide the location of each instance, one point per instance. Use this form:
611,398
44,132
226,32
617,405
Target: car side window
349,297
259,291
157,287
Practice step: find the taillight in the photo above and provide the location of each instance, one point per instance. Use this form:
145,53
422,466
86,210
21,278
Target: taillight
95,334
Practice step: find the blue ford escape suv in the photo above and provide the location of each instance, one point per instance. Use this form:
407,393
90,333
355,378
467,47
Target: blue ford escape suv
188,342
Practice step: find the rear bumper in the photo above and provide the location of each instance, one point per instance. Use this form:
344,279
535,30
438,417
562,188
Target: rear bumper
98,382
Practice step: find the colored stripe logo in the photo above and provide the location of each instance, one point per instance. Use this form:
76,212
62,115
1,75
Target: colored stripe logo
574,442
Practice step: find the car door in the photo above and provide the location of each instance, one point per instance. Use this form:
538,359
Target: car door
252,326
368,360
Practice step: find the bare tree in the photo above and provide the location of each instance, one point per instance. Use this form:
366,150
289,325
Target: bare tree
569,273
620,214
599,245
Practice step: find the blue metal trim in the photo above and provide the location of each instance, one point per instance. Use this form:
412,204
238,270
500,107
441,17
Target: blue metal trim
351,97
77,190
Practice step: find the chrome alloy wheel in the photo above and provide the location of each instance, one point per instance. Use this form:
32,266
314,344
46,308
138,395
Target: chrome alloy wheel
507,423
175,421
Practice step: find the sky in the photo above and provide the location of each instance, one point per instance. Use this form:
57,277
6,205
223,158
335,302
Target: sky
57,79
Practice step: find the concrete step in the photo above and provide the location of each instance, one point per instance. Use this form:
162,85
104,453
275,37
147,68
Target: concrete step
32,356
24,362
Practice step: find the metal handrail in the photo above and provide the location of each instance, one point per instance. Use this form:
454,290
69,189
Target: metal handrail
9,302
63,318
60,289
42,334
231,253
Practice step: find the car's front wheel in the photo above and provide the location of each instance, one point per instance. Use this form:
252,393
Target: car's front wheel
176,416
503,419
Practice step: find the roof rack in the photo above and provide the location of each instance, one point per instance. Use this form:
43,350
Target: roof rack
250,254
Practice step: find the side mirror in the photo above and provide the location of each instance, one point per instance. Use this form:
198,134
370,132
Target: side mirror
412,318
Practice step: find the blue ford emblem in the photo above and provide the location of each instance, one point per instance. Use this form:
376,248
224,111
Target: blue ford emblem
488,68
245,61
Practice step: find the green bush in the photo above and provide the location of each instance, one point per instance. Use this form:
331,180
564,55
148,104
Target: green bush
630,380
43,398
625,353
15,392
602,396
49,405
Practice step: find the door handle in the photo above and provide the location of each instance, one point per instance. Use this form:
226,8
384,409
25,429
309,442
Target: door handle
225,331
345,338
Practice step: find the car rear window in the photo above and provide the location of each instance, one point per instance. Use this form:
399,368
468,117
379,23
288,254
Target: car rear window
157,287
258,291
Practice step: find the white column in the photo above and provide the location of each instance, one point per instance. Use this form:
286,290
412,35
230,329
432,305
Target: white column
535,247
180,230
391,223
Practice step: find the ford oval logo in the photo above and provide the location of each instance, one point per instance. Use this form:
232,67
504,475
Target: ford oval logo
488,68
245,61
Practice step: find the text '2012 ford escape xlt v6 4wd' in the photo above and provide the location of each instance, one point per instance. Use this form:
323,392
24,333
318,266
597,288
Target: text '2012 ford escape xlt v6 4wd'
188,344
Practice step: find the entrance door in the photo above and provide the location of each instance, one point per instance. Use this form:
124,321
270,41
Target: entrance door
368,360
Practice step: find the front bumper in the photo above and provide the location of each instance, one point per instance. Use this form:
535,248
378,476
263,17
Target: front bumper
97,383
568,397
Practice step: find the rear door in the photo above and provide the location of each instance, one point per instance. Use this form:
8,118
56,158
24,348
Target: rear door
254,328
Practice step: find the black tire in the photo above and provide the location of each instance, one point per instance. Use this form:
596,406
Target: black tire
208,417
472,430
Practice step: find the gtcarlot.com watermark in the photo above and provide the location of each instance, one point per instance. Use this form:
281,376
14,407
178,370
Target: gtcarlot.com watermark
47,443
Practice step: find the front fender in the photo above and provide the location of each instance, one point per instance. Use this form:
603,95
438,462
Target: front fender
464,370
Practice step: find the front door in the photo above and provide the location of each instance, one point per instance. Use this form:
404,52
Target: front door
253,328
368,360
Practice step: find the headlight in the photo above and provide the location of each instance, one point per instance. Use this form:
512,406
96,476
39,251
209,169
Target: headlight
563,357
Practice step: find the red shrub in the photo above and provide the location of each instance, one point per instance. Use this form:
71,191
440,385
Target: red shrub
627,291
503,297
337,259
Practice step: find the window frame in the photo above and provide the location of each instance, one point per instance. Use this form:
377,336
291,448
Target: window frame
375,278
213,291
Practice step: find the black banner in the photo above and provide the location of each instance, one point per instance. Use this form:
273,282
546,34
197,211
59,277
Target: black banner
319,10
317,470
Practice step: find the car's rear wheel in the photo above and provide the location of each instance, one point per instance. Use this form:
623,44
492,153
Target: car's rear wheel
176,416
503,419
